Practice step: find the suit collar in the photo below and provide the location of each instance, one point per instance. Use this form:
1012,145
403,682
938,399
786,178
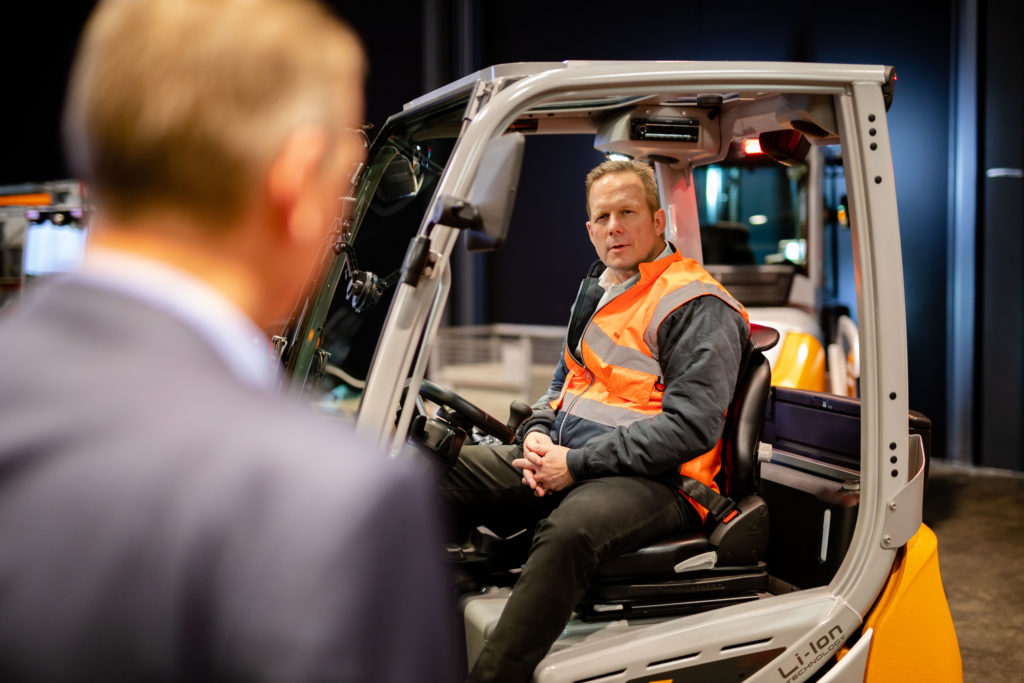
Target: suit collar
230,333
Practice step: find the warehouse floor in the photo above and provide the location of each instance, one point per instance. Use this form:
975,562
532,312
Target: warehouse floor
978,517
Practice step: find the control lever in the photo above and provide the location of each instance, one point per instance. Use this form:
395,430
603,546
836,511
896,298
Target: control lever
517,414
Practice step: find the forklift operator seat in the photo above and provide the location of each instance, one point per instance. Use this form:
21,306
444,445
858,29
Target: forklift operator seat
724,562
745,416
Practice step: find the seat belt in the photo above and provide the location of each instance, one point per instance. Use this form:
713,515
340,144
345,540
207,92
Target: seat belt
722,508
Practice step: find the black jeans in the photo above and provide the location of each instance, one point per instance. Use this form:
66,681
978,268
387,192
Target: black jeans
575,530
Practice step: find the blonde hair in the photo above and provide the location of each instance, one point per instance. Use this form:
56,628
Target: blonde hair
184,103
638,168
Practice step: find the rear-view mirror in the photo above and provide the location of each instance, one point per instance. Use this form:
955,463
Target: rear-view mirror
400,180
494,191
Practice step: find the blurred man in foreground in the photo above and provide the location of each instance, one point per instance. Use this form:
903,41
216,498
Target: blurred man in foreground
164,515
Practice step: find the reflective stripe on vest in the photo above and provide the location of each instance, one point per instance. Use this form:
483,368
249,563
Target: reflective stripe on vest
621,382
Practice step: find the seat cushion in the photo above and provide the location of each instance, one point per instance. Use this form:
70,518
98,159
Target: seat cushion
657,559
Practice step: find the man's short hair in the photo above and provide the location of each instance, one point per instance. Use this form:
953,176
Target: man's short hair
639,168
184,103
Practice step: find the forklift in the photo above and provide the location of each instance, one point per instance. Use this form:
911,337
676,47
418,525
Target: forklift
831,576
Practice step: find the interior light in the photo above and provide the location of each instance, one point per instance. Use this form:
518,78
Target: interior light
758,219
752,146
618,156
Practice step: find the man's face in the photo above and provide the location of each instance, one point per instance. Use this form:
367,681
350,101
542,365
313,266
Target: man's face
624,231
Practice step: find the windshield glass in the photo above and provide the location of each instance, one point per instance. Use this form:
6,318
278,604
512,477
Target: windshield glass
337,330
752,211
402,177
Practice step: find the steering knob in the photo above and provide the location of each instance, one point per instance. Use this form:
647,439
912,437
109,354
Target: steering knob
517,414
364,290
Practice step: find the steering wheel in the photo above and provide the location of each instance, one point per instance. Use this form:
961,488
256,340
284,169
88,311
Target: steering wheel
464,414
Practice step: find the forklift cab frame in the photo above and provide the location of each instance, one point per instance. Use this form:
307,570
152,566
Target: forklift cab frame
677,115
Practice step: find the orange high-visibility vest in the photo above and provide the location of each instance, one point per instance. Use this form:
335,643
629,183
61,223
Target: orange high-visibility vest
620,380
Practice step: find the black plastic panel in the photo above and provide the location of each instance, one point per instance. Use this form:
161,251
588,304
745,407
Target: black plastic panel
824,427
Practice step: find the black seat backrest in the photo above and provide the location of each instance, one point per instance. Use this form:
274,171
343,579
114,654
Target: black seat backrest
745,417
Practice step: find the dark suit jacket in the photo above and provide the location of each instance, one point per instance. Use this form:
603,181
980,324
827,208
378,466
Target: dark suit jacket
161,521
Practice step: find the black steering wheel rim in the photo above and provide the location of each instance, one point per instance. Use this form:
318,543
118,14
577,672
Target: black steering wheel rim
476,416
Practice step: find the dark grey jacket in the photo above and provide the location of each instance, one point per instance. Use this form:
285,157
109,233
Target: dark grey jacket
700,350
161,521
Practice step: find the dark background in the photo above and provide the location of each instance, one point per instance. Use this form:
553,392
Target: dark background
954,74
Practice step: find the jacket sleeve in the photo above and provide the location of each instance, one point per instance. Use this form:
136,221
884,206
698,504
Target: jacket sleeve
701,347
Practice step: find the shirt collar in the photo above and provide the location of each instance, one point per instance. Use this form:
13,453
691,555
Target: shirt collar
232,335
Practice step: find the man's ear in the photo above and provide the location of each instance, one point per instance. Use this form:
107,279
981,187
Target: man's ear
590,231
659,221
291,181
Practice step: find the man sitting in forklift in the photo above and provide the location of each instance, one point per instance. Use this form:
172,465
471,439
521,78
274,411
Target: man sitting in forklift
636,407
